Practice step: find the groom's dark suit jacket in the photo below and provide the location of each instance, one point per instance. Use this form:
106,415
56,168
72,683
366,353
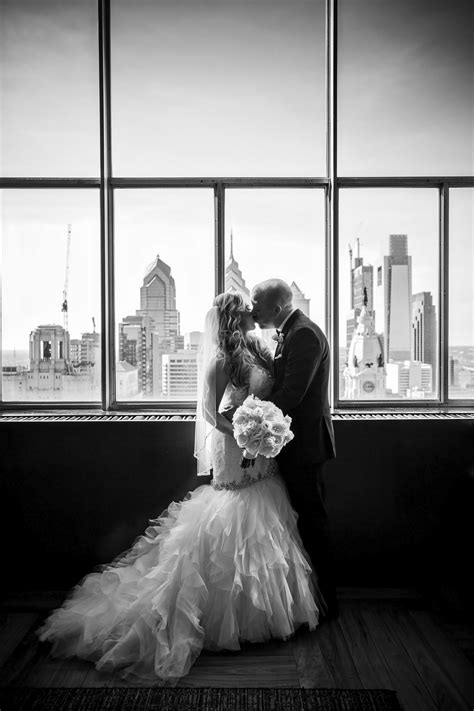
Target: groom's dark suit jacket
301,364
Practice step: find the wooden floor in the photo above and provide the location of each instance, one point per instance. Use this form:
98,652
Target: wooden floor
382,640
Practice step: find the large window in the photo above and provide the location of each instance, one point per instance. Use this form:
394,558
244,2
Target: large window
461,295
51,312
405,87
49,85
214,88
267,232
155,153
388,294
164,284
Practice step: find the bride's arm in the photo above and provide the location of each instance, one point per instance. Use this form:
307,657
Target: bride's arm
216,373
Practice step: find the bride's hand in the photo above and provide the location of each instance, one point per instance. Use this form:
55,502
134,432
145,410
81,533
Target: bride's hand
223,425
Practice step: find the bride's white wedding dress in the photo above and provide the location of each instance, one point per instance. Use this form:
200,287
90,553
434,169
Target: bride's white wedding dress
222,566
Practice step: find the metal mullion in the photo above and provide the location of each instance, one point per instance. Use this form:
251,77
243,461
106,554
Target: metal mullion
332,201
405,181
334,263
136,183
106,209
219,237
443,341
49,183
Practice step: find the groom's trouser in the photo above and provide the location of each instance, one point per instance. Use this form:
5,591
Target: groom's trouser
307,491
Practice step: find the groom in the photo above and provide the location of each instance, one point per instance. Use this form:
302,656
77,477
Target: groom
301,364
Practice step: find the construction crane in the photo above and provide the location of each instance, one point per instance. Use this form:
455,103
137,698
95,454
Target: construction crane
93,323
64,307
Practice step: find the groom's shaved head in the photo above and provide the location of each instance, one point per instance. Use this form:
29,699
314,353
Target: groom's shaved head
273,292
272,302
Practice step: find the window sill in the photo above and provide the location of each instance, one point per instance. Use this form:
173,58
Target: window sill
188,416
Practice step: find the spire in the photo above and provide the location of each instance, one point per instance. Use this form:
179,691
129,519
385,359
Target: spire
234,280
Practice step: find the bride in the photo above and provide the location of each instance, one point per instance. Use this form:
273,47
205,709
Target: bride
223,566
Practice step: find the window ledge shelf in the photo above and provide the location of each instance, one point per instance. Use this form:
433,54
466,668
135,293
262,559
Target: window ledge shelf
100,416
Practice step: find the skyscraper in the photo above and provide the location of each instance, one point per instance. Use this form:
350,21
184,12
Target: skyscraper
154,329
299,300
234,281
179,376
135,347
158,299
393,300
424,328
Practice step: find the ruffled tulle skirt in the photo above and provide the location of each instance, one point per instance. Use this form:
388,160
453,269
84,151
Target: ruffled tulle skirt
216,569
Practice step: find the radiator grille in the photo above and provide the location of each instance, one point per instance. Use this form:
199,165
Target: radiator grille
189,417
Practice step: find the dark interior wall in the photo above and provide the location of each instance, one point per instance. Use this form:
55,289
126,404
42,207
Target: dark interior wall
400,497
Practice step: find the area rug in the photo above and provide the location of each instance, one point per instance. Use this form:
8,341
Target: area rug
123,699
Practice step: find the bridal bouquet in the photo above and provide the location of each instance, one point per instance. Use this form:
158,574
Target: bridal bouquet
260,428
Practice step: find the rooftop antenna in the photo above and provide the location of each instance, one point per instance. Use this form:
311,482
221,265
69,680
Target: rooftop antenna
64,307
351,277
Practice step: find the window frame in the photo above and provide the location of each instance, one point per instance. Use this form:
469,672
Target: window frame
331,183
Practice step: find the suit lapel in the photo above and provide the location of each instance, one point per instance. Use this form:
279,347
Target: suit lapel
280,346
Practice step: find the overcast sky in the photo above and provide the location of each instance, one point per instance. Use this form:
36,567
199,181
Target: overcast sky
229,88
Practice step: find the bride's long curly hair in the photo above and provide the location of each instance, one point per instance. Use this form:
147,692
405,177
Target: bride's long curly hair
238,351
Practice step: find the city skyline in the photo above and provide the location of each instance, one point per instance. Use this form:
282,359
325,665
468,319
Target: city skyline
192,320
158,365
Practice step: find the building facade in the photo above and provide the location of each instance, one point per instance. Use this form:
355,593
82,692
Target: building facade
392,303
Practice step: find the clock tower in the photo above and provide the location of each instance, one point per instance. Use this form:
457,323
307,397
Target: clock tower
364,374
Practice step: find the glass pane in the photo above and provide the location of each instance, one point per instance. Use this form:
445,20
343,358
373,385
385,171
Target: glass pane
388,294
164,285
50,88
461,294
50,329
277,233
218,88
405,87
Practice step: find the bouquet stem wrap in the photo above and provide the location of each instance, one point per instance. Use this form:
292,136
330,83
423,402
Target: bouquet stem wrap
260,428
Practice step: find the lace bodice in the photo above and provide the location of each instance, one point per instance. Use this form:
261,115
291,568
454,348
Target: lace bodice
260,385
226,455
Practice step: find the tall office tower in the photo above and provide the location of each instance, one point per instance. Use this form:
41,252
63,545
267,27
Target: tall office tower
158,299
154,330
361,277
393,300
234,280
299,300
179,376
409,379
135,347
424,328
